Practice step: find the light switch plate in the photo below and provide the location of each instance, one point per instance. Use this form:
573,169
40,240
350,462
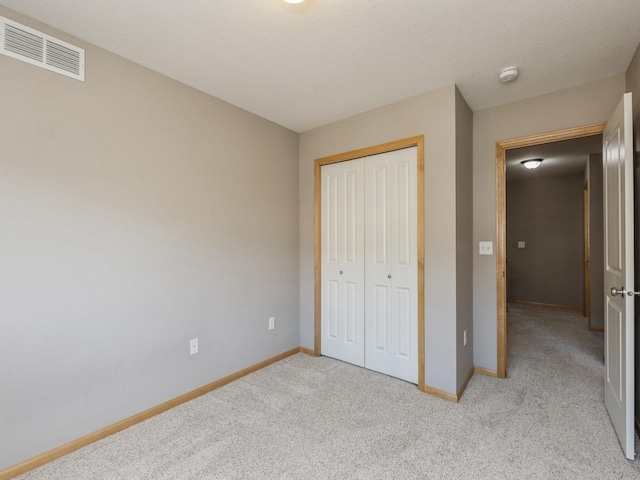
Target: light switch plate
486,248
521,244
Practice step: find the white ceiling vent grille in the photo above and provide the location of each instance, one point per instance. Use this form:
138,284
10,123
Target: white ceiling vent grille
29,45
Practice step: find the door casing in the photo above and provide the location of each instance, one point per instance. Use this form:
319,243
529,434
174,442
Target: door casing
418,142
501,224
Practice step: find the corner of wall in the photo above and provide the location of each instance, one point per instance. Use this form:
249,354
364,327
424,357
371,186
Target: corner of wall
464,239
632,81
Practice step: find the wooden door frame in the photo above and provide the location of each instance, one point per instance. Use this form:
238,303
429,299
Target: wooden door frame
501,216
417,142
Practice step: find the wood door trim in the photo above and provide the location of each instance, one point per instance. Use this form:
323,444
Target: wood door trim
418,142
485,371
308,351
450,396
501,216
549,305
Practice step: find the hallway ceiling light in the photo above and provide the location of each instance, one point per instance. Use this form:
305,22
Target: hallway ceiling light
532,163
295,7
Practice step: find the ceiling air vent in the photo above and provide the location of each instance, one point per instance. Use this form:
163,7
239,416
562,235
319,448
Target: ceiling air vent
37,48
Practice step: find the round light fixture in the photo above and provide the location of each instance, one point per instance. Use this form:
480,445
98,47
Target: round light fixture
508,74
532,163
295,7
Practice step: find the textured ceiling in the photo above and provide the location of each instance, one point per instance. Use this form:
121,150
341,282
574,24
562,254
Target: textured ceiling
303,68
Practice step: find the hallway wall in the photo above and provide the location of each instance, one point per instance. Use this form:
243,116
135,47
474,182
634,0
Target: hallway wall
546,213
596,237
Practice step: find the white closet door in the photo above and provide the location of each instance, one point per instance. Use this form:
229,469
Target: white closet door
391,287
342,267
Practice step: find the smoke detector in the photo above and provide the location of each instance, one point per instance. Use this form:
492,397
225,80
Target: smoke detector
508,74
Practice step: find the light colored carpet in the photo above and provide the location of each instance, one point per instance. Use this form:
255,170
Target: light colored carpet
310,417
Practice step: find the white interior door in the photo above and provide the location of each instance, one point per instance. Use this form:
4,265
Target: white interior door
342,261
391,316
619,279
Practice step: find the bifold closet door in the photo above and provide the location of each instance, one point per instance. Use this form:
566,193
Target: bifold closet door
369,272
391,266
342,261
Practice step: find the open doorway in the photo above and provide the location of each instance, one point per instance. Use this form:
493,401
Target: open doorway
554,237
501,245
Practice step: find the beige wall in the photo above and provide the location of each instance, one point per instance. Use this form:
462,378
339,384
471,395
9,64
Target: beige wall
464,239
135,213
581,105
633,83
547,214
431,114
596,239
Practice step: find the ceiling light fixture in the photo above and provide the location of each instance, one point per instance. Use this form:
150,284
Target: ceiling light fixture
295,7
508,74
532,163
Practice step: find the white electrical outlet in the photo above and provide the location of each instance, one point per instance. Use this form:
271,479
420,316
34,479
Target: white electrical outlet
464,337
193,346
272,323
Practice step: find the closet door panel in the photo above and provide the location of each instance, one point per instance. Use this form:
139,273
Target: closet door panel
404,363
378,319
351,313
403,326
403,215
332,309
377,219
342,261
391,263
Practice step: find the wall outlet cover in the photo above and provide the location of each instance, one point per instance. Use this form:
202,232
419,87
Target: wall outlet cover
486,248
